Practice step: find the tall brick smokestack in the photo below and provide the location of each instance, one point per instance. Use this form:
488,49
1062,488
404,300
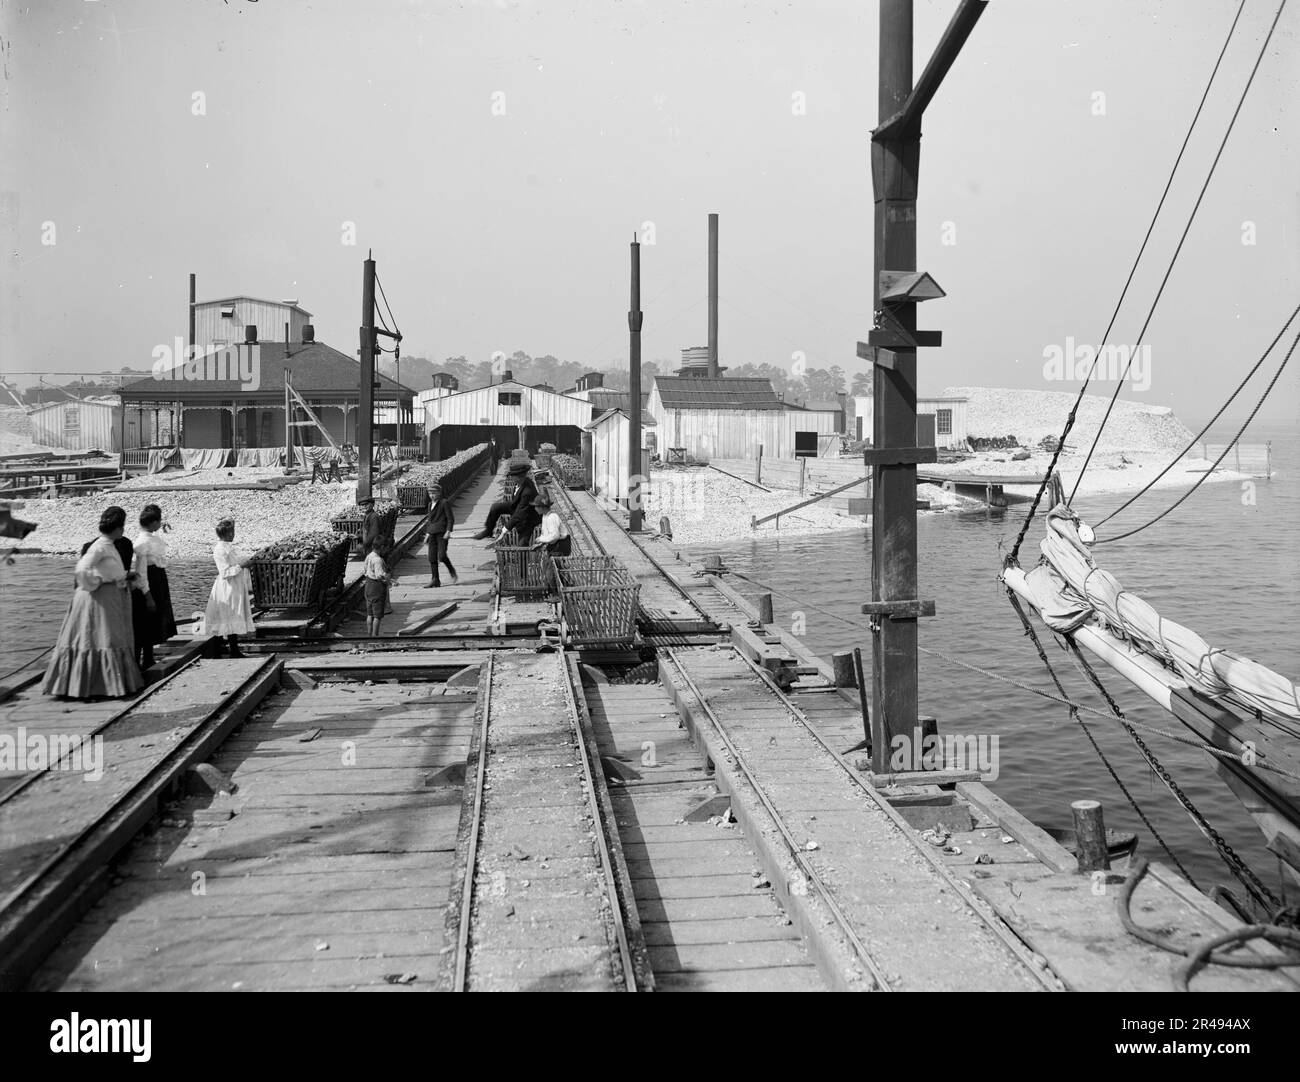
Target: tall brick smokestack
713,295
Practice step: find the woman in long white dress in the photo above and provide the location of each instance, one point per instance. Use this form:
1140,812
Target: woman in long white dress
230,607
95,653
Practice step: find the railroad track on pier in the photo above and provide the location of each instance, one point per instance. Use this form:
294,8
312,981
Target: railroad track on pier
793,848
583,536
1009,942
542,899
666,605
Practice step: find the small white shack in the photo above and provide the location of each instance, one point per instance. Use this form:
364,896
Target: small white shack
720,417
608,466
85,425
940,422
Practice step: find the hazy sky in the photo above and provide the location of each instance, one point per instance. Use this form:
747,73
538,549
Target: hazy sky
498,156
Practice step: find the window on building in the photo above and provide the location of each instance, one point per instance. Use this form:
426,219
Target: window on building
943,422
228,311
509,398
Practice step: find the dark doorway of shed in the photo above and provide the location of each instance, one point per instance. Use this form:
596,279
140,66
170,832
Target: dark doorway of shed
447,440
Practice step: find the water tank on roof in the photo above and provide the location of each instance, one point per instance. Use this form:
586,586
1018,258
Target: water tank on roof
308,333
695,361
250,333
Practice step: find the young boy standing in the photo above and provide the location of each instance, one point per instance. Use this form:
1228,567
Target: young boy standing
375,572
438,533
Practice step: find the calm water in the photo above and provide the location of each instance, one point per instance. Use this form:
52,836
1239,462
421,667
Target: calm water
1229,570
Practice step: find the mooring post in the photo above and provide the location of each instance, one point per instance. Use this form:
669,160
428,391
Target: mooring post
1090,830
758,466
765,615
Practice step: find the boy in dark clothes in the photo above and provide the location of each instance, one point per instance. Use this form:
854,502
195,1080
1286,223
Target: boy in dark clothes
438,531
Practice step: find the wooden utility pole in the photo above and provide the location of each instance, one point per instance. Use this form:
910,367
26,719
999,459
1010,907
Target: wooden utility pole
713,296
891,347
635,511
366,410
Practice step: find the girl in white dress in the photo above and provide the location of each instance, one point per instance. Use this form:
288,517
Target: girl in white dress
230,607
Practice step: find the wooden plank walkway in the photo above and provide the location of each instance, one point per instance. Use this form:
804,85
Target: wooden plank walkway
331,872
711,923
53,810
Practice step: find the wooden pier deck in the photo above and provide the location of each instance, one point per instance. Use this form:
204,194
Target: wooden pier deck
747,846
327,867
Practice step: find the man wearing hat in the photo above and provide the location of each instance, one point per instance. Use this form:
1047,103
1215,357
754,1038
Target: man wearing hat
522,515
438,532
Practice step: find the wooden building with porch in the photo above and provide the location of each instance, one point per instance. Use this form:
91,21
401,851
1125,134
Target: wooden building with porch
173,410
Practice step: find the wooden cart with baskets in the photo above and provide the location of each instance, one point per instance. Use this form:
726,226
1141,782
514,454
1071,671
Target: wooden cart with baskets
598,600
522,570
289,584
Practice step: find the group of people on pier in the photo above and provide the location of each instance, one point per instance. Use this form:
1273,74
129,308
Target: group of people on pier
122,607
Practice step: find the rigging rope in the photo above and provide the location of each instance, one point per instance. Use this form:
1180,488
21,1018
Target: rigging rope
1119,385
1240,386
1238,867
394,329
1013,557
1074,716
1204,477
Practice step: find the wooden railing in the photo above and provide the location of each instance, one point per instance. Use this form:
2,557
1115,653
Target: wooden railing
1255,459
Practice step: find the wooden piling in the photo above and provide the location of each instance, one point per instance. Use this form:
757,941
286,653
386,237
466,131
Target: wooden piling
1090,829
765,615
844,669
862,694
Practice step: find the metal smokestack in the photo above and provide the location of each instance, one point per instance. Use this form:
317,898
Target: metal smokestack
713,296
192,303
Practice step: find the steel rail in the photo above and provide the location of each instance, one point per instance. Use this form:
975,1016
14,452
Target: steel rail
471,855
793,847
600,824
589,539
995,923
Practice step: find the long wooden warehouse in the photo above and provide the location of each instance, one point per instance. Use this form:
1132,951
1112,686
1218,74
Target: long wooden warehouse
511,413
